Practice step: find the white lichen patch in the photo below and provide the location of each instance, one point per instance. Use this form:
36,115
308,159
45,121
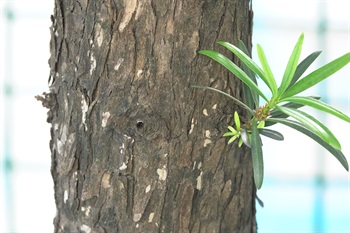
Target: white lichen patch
123,167
162,173
86,210
206,142
199,181
192,126
139,73
205,112
214,106
100,38
137,217
84,109
65,196
207,134
148,188
92,63
150,217
130,7
85,228
59,146
199,165
119,62
105,117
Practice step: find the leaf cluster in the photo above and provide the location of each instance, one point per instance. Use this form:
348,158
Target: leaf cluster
284,102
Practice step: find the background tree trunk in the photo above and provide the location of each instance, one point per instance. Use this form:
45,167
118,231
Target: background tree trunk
134,147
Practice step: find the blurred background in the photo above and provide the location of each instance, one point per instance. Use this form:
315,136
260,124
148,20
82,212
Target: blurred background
305,188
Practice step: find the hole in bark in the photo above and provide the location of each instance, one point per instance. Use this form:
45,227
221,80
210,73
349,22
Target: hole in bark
139,124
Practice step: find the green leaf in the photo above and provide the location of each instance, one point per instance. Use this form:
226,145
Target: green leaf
278,114
271,82
237,121
318,105
243,54
317,76
302,67
249,96
313,124
257,156
232,139
301,128
291,66
271,134
234,69
229,96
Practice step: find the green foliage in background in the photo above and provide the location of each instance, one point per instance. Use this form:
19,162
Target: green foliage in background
283,104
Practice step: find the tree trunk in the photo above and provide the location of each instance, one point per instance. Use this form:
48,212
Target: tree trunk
134,147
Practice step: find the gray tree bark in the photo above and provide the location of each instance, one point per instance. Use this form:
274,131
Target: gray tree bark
134,147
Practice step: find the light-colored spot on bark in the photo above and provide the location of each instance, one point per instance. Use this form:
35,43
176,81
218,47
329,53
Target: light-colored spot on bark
123,166
165,155
59,146
207,133
84,109
139,73
100,38
199,181
137,217
137,225
162,173
148,188
85,228
192,126
130,7
105,117
122,147
206,142
86,210
214,106
65,196
199,165
194,165
119,62
106,180
150,217
194,42
93,63
55,127
205,112
139,9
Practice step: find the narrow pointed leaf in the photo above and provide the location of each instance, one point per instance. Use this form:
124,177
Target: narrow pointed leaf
232,139
257,156
229,96
271,134
237,121
313,124
317,104
234,69
292,65
301,128
271,82
318,75
278,114
302,67
243,54
250,97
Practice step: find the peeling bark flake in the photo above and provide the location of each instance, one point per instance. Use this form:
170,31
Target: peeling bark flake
130,7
